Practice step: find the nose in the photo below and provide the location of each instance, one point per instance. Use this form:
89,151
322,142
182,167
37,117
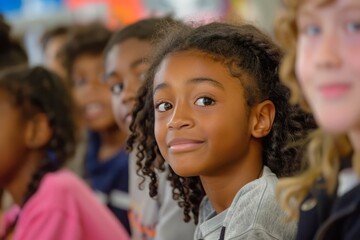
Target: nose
327,51
181,118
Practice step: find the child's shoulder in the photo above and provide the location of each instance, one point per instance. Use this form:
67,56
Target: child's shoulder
263,186
59,187
255,210
62,180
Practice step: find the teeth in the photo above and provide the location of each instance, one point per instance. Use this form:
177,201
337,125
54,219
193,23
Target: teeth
128,118
93,109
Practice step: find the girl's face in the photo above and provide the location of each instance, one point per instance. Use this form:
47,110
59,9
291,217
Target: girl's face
124,73
12,139
201,119
328,63
91,94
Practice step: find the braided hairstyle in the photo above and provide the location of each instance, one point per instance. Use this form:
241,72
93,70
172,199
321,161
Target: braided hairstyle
243,49
35,90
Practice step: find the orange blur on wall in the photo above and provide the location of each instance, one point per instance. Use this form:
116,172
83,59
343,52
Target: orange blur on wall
120,12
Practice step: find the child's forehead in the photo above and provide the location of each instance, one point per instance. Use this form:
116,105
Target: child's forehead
321,4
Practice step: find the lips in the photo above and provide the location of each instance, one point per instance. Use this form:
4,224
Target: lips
335,90
93,110
184,144
127,119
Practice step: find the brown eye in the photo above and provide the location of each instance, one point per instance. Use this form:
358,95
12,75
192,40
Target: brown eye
205,101
116,89
163,107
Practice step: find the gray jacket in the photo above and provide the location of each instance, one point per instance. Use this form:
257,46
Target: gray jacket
253,214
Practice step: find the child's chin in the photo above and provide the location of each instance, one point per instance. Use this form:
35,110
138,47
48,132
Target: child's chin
184,173
336,126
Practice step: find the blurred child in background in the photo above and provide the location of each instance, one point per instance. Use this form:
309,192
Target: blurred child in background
126,63
38,135
12,54
52,41
106,161
322,68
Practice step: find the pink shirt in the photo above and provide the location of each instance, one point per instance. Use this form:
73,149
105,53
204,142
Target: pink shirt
65,208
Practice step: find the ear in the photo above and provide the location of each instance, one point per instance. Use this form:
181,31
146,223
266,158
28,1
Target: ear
263,118
38,131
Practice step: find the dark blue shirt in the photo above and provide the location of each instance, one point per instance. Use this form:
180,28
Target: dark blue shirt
109,178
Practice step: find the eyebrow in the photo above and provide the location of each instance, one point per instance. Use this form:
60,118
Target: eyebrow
137,62
192,82
133,65
206,80
311,12
106,76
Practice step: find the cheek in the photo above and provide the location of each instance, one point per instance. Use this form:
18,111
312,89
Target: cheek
78,96
353,58
116,107
103,93
160,134
303,69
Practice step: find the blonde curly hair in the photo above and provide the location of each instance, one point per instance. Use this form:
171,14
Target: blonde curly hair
323,150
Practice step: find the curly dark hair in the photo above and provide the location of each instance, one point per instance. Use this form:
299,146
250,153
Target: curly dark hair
12,52
35,90
148,29
83,39
242,49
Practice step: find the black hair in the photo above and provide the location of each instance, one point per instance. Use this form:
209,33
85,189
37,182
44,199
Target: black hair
83,39
35,90
12,52
146,29
243,49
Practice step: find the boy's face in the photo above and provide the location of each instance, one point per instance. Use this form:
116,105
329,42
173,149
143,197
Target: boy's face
125,66
203,126
91,94
328,62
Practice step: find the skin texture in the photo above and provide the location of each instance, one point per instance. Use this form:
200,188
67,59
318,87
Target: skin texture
21,146
51,52
328,64
124,73
203,126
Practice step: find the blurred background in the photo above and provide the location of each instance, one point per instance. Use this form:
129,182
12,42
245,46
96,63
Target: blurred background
30,18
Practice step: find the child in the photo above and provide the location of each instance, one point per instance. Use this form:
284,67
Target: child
12,54
322,68
106,160
213,108
52,41
126,61
38,135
